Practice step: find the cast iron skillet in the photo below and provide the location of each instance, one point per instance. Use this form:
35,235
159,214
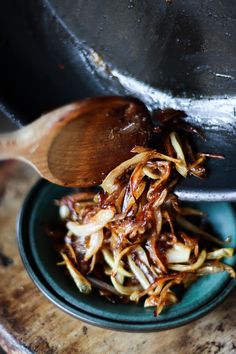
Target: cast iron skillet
179,54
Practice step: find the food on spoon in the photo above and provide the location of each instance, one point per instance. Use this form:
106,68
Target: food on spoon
133,240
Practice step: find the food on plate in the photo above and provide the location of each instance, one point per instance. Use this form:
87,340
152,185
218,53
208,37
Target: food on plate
132,240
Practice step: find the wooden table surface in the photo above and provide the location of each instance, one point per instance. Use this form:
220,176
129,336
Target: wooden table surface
29,323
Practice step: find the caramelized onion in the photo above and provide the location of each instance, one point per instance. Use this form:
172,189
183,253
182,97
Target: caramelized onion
138,273
109,184
95,243
189,267
97,223
110,261
181,166
81,282
133,239
124,290
220,253
178,253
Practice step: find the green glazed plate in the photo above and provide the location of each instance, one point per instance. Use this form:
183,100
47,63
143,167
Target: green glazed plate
39,211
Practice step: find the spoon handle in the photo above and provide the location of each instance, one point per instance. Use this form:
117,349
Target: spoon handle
24,143
10,146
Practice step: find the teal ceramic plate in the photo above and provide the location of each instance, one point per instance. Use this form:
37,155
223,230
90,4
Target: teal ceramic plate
39,211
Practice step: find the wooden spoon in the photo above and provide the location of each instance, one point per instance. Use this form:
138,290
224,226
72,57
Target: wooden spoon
78,144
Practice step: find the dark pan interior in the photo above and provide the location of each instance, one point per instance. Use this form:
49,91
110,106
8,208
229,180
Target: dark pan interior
179,54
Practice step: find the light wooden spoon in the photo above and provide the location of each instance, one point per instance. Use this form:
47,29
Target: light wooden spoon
78,144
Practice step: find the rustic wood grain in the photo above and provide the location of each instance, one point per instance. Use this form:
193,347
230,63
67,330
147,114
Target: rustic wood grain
29,323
